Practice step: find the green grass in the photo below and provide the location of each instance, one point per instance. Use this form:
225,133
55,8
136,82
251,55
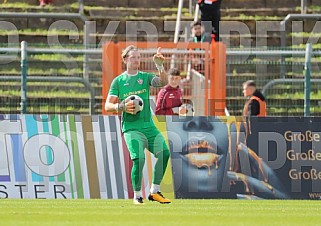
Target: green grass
296,95
302,59
56,57
132,9
180,212
298,73
53,94
251,17
29,31
313,8
26,6
40,71
53,46
21,5
303,46
51,84
305,34
48,109
187,16
294,109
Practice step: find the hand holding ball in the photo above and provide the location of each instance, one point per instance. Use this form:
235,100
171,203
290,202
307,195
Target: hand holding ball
186,110
132,105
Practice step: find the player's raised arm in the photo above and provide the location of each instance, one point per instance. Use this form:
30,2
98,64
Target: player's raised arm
159,59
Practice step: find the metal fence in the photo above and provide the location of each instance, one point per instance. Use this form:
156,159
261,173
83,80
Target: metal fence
284,91
55,80
198,92
286,97
181,58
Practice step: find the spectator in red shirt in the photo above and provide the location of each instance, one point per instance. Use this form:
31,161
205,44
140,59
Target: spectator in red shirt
170,96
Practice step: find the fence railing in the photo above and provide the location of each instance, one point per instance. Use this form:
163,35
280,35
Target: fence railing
54,77
178,56
198,92
262,65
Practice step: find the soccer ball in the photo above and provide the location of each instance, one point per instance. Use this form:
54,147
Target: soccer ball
138,102
186,110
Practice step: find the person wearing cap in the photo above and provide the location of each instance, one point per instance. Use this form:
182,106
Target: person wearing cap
170,96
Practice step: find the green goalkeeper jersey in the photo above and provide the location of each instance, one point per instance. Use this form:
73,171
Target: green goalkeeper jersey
125,85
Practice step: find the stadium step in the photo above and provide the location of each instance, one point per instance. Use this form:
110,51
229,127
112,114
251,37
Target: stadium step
228,4
275,106
233,40
133,12
54,67
173,3
11,104
47,87
247,11
102,12
23,8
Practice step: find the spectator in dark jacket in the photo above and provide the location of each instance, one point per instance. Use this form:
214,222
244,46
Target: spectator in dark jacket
170,96
211,12
199,34
256,105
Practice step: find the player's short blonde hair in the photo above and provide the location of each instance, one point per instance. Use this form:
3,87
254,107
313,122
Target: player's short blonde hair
127,50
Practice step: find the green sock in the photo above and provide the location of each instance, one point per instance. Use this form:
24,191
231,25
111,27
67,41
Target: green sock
160,166
137,173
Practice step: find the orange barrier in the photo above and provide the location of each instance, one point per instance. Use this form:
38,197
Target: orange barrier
218,80
178,55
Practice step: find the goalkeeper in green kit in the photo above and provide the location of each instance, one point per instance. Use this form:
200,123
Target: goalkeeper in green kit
139,129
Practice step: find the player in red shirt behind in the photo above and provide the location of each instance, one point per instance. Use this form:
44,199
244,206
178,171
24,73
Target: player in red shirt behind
170,96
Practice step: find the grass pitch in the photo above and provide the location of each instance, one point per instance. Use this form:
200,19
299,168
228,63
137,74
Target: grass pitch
180,212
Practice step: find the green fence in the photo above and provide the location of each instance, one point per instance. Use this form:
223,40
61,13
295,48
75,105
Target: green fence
284,98
64,89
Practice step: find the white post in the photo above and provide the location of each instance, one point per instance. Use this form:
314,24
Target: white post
197,11
81,7
178,21
177,28
190,7
24,71
303,6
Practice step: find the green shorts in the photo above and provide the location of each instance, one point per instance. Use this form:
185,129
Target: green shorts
149,138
